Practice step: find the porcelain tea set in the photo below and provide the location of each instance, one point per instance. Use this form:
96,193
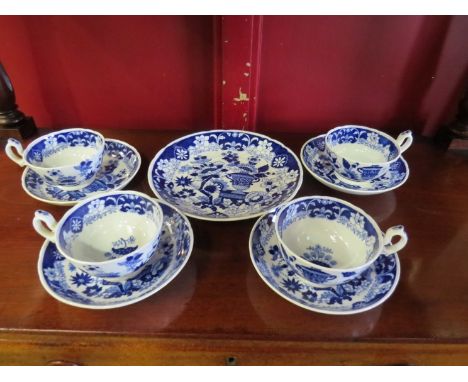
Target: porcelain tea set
115,248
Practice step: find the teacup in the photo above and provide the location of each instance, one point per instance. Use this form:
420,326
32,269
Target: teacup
67,158
328,241
110,236
361,154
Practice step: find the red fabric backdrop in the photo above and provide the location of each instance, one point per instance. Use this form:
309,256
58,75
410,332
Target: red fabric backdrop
313,72
141,72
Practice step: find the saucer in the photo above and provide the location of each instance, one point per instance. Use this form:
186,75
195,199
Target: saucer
368,290
68,284
316,161
119,165
225,175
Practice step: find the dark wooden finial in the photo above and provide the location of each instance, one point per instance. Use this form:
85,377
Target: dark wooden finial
13,123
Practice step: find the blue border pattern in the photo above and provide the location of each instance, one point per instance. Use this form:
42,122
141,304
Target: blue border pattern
120,164
364,292
79,288
317,162
225,174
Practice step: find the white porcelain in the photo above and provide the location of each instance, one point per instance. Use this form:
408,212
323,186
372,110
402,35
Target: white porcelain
67,158
318,164
120,164
328,241
364,292
69,285
360,153
111,236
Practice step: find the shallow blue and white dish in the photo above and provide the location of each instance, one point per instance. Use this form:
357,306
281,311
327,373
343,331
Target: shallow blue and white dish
120,164
365,292
63,281
317,162
225,175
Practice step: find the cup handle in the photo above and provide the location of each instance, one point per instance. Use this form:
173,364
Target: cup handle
390,248
404,140
15,157
43,219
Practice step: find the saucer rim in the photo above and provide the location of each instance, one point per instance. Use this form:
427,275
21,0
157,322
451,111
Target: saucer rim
72,203
229,219
349,190
317,310
44,284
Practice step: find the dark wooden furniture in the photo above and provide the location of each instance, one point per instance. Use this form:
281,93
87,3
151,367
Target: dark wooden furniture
219,311
13,123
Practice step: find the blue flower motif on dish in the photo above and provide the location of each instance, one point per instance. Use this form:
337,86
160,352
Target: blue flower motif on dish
83,290
76,225
291,284
225,175
80,279
120,164
364,292
181,153
320,255
318,163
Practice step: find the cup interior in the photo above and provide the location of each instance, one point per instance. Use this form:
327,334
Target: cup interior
327,233
64,148
110,227
361,144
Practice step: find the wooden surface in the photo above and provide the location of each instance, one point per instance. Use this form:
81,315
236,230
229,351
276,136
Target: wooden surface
218,307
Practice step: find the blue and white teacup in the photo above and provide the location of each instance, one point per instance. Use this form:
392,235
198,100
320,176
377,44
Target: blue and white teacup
361,154
67,158
328,241
110,236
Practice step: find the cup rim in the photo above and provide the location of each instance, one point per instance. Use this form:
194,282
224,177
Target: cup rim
379,237
100,148
389,137
86,201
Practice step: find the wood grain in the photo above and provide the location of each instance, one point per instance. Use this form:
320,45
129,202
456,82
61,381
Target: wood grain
218,307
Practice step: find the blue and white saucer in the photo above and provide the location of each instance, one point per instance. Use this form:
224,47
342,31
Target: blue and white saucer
370,289
68,284
315,160
120,164
225,175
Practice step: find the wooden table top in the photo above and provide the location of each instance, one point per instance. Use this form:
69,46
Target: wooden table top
219,295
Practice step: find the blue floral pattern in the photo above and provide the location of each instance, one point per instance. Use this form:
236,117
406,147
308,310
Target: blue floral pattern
320,255
54,143
363,136
332,210
120,164
317,162
63,281
362,293
225,175
97,209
